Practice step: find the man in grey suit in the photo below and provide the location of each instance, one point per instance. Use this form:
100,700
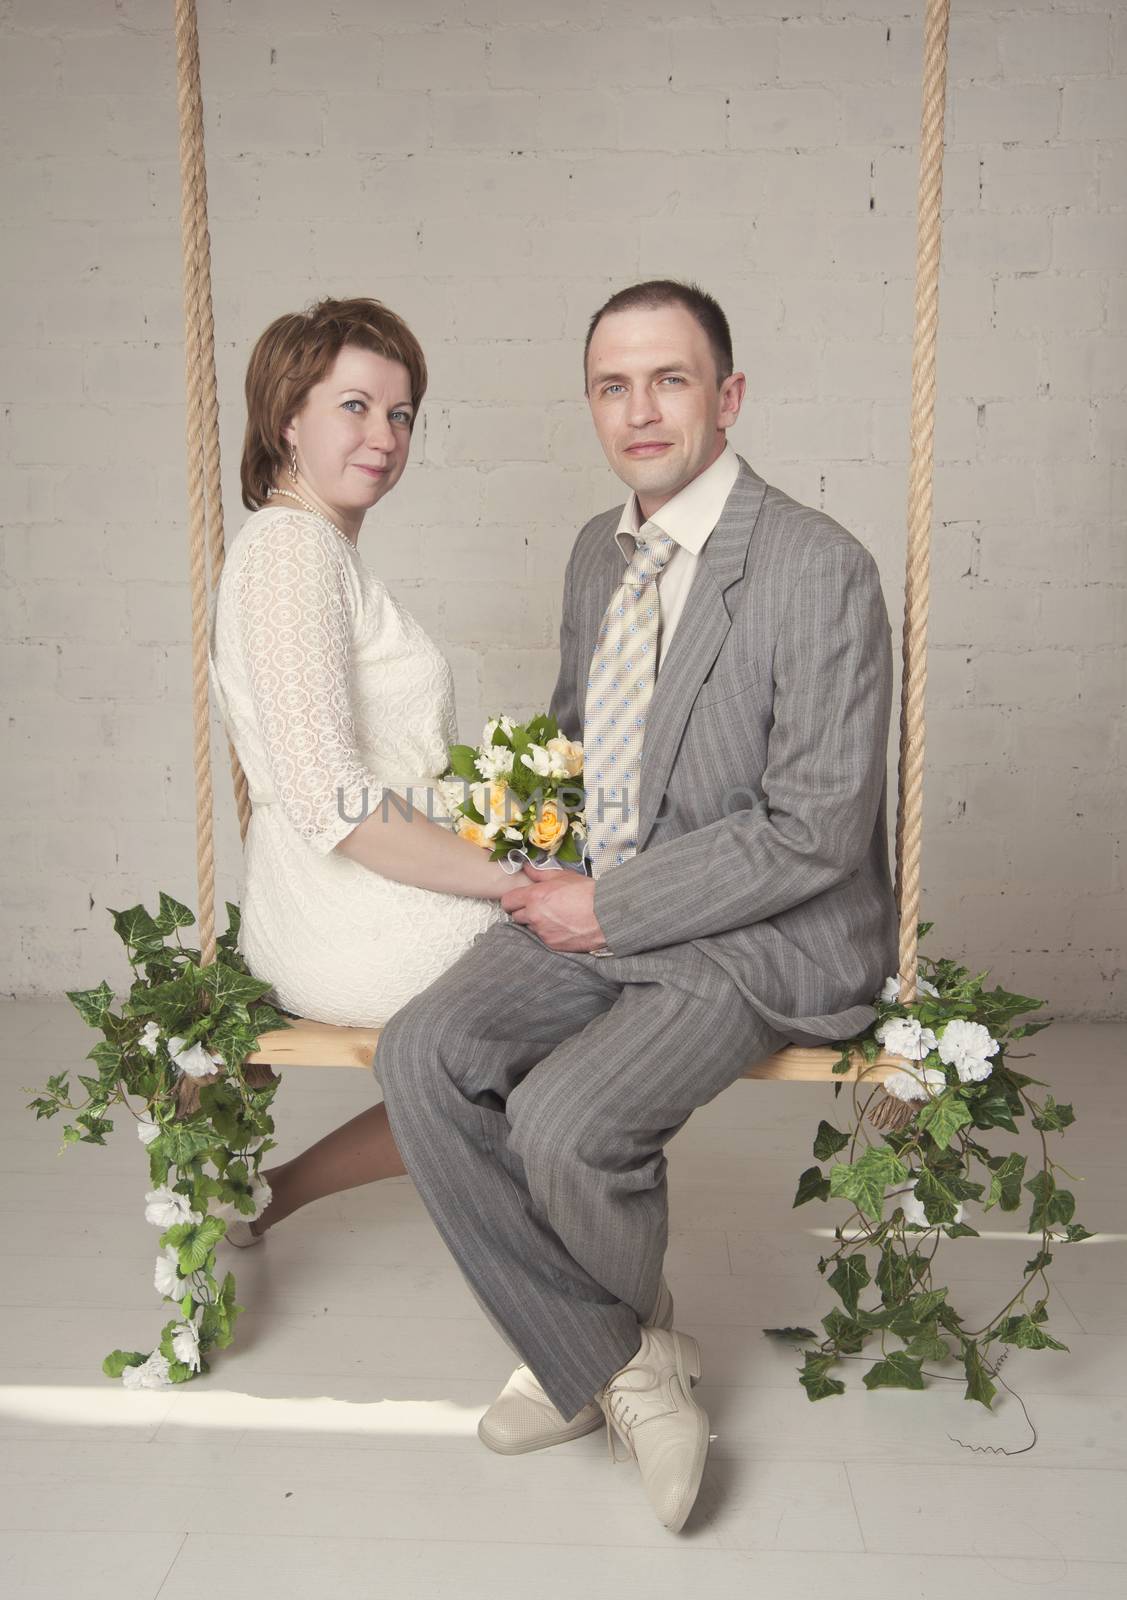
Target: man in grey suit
739,900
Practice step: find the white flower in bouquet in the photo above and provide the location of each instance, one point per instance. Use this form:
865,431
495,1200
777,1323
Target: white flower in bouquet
147,1129
966,1046
891,991
150,1036
166,1278
915,1086
186,1344
913,1209
151,1374
539,760
495,761
195,1061
904,1036
165,1208
506,725
566,757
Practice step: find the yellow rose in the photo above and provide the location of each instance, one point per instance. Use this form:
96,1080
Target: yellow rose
473,832
503,803
547,832
568,755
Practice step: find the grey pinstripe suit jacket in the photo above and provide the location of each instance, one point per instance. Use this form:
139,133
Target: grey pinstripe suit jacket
762,835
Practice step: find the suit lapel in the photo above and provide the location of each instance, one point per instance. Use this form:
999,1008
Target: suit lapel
701,630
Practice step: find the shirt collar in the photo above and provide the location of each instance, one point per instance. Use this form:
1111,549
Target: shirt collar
692,513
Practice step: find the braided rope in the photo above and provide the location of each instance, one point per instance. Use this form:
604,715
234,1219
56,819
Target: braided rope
909,814
205,503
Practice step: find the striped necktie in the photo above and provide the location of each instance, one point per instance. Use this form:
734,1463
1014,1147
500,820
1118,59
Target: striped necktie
619,690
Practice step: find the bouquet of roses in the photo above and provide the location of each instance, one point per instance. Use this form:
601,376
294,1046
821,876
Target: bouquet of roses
520,789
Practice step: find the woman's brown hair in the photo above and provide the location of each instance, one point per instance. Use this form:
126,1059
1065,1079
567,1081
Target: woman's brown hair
297,351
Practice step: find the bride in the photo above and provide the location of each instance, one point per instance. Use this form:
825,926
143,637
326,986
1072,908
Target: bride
341,710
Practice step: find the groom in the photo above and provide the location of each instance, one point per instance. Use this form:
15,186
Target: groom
725,657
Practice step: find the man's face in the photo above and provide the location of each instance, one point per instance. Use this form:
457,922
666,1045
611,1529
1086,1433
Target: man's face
658,409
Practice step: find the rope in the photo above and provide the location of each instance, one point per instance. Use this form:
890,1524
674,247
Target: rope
909,813
205,503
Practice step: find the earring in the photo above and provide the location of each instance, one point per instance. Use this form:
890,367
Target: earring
293,463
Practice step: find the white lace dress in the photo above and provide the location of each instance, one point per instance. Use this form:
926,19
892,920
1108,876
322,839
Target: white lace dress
328,688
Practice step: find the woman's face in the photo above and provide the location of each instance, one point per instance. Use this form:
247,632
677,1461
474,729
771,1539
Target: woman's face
353,433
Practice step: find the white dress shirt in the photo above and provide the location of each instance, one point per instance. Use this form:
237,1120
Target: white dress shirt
688,518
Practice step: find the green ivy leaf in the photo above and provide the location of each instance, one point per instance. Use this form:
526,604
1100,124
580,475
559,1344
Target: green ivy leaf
1050,1204
847,1333
937,1195
1074,1233
979,1386
828,1141
790,1333
91,1004
171,914
848,1279
1054,1118
897,1371
811,1186
944,1116
894,1275
864,1181
927,1345
813,1377
1023,1332
1006,1182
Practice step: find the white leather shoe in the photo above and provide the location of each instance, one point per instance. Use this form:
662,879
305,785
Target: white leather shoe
239,1233
522,1417
650,1407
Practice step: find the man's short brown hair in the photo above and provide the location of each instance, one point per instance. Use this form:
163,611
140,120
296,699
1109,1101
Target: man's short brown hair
658,292
295,352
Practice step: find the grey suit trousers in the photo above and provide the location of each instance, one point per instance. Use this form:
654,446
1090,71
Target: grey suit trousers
531,1093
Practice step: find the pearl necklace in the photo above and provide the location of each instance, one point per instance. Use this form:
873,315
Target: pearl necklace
289,493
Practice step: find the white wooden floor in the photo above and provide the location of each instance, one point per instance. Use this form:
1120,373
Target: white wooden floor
332,1451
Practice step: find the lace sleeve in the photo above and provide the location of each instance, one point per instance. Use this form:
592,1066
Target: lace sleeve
294,609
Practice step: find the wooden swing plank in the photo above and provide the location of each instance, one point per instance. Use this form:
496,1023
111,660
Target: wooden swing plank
324,1044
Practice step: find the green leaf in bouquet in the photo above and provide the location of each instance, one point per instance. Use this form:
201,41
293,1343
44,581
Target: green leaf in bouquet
569,850
463,763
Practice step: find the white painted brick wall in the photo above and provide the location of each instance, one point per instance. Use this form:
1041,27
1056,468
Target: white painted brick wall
493,169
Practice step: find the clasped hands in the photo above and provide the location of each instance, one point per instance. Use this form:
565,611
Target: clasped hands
559,908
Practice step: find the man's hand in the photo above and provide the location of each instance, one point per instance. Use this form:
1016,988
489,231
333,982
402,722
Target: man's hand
559,908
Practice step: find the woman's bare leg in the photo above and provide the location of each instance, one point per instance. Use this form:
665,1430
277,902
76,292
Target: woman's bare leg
360,1151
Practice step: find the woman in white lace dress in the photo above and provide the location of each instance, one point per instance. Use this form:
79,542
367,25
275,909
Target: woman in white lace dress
337,701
